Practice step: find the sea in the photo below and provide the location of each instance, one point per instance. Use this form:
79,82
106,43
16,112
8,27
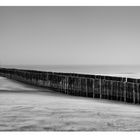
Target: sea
132,71
28,108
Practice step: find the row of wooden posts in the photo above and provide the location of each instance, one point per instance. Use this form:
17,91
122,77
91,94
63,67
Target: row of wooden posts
93,86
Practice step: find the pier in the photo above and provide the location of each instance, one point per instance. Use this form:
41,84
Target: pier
93,86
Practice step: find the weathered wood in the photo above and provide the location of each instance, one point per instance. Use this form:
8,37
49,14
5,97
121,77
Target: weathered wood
111,90
100,91
86,87
93,89
134,96
96,86
124,91
103,89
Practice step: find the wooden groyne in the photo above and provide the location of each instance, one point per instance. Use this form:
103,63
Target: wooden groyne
93,86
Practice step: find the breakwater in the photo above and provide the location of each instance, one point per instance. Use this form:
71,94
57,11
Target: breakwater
94,86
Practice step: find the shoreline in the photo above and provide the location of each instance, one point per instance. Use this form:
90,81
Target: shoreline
44,111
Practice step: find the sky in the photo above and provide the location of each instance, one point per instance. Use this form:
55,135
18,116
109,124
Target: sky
69,35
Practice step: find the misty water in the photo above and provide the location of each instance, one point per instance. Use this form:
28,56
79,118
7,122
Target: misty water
26,108
132,71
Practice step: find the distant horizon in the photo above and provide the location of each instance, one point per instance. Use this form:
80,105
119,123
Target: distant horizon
70,65
132,71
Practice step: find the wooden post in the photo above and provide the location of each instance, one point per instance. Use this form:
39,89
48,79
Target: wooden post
117,95
63,80
139,93
93,89
100,90
86,88
65,85
79,86
105,89
124,92
71,85
74,89
111,91
138,97
76,86
134,97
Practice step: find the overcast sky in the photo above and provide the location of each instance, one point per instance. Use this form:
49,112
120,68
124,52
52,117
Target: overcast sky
69,35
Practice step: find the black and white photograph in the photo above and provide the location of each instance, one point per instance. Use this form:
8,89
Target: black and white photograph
70,68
